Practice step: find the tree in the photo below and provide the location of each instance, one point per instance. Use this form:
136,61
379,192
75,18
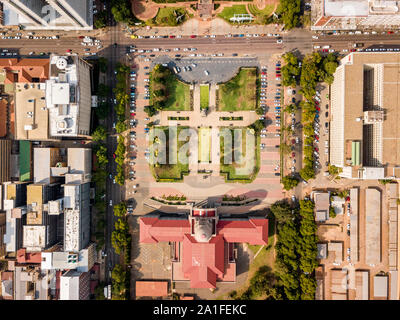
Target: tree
120,127
102,110
284,148
330,67
103,90
257,125
289,182
120,209
101,156
99,134
290,12
333,170
101,20
282,211
332,213
307,173
150,110
291,108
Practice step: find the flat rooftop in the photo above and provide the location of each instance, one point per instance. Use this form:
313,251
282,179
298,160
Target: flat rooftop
367,81
31,116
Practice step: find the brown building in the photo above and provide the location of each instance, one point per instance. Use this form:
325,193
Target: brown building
365,112
5,151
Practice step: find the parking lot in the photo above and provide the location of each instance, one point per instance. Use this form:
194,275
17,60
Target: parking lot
210,70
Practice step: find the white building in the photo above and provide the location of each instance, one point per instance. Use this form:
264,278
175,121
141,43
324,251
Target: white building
68,96
49,14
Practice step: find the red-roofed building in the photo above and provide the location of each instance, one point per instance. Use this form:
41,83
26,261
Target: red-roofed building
24,70
203,243
151,288
28,257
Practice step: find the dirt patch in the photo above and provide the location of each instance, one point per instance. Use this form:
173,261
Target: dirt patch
144,9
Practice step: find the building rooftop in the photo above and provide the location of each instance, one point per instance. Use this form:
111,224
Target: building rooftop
205,254
321,200
68,95
366,81
31,115
381,286
26,70
151,288
34,237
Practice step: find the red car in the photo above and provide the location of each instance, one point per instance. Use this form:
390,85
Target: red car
316,138
277,69
318,108
293,154
171,37
293,141
80,37
390,32
352,50
316,102
69,50
263,72
316,149
133,114
193,36
325,50
114,155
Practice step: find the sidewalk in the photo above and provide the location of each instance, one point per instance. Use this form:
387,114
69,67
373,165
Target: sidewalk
216,26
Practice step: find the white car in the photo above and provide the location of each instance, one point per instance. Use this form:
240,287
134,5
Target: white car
279,41
176,49
110,203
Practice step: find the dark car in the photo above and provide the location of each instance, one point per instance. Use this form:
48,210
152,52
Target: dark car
115,45
326,114
277,174
293,100
348,232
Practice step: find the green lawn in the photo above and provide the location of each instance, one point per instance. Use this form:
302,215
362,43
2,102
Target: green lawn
204,144
228,12
177,93
251,166
204,96
170,172
260,15
168,16
239,93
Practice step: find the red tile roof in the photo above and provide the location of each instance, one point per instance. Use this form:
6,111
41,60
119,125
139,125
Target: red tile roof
253,231
202,262
27,69
151,288
205,262
154,230
28,257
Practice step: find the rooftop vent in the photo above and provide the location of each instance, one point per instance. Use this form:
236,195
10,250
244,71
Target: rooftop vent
61,63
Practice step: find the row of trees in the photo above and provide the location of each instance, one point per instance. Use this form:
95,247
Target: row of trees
99,136
291,70
160,77
121,96
120,237
296,250
120,283
119,159
315,68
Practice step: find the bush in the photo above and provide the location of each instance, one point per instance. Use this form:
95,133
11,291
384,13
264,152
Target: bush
289,182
